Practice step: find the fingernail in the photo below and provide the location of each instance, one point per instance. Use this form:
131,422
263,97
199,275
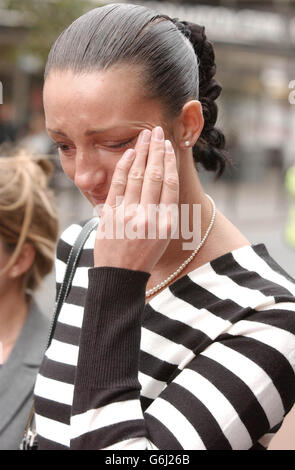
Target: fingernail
158,133
146,136
168,146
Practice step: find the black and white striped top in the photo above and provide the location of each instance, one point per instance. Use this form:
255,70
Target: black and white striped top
208,363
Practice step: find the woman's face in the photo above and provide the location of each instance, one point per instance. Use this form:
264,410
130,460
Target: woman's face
94,118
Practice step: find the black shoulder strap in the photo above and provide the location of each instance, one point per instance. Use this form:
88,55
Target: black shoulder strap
29,441
70,270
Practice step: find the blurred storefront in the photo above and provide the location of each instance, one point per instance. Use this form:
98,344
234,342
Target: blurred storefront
27,31
20,78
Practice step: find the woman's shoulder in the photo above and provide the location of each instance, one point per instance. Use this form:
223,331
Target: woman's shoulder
253,297
247,265
245,280
261,272
32,340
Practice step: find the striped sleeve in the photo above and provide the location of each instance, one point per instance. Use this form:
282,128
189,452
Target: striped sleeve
233,395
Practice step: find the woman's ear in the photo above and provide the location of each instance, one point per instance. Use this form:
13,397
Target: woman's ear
23,262
190,124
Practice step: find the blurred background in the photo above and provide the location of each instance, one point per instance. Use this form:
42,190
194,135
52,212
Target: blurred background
254,44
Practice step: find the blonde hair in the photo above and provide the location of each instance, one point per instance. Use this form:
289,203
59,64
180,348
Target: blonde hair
27,212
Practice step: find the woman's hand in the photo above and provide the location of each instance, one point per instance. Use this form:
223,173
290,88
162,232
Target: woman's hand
143,178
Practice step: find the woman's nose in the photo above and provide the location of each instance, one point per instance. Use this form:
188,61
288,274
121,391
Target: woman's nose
87,175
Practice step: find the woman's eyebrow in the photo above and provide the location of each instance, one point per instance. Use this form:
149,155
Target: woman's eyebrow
87,133
56,132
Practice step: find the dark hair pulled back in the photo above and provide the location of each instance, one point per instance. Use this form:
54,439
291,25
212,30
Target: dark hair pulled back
178,62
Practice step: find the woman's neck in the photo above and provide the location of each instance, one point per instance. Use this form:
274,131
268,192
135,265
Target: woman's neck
222,238
196,220
13,312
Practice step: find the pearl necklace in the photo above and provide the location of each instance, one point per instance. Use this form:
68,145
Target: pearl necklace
188,260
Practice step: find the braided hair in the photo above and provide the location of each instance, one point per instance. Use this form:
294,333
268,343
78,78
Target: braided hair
209,150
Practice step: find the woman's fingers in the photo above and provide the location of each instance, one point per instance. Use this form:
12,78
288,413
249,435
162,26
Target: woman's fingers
154,172
169,211
119,179
170,189
146,175
137,170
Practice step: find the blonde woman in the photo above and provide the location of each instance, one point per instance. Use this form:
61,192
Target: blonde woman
28,233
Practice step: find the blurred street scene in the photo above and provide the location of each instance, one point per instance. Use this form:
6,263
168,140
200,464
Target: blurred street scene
254,43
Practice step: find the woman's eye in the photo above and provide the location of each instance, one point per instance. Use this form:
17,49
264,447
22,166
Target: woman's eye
62,147
66,148
121,145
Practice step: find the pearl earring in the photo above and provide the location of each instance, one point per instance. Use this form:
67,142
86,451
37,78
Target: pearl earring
187,143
